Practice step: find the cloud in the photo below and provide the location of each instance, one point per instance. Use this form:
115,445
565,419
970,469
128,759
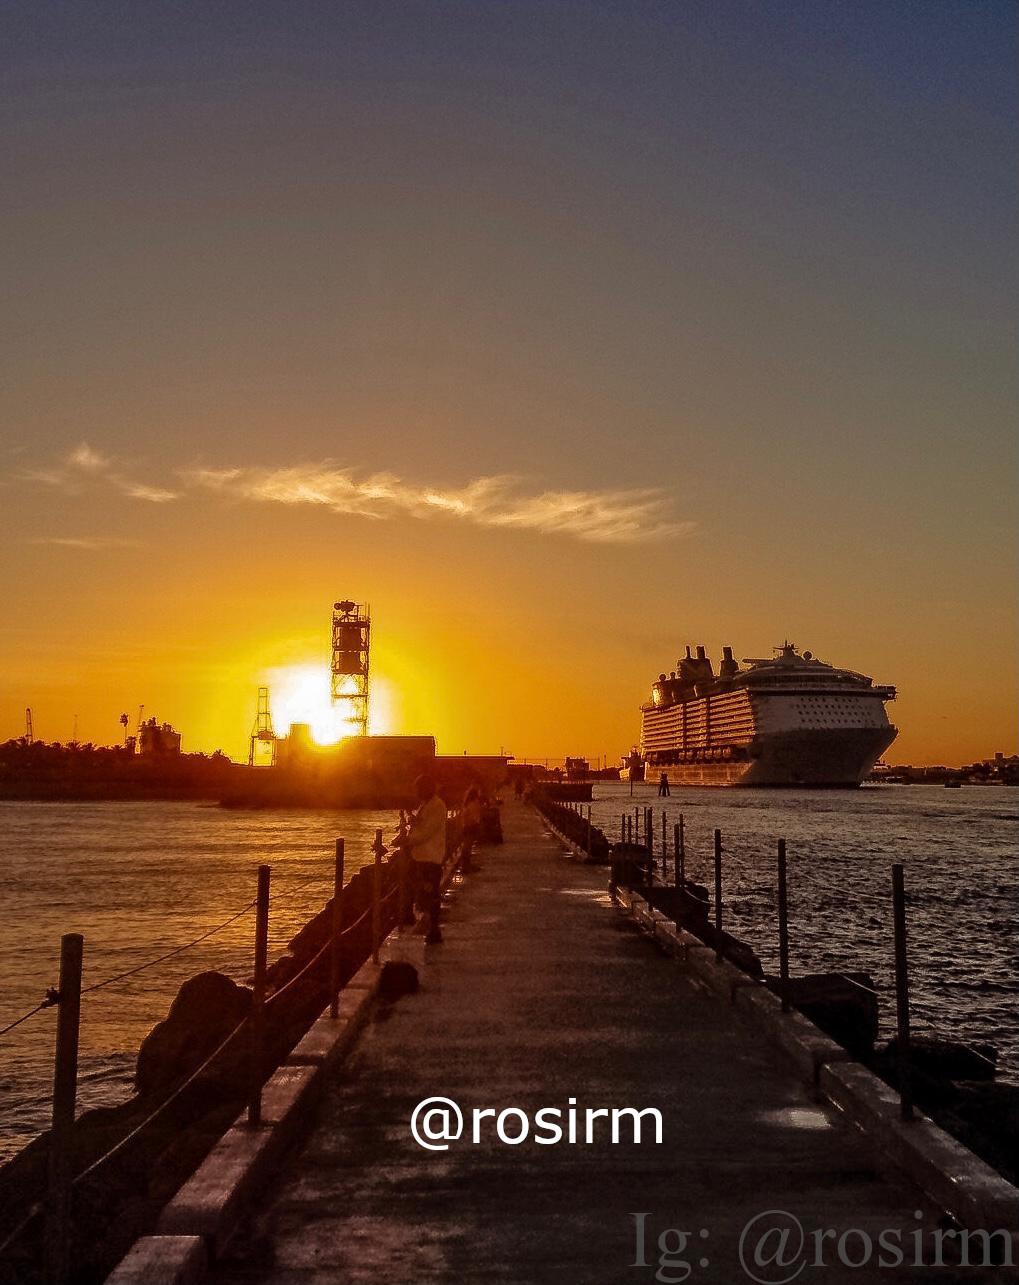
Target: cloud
614,516
85,458
609,516
140,491
84,462
91,542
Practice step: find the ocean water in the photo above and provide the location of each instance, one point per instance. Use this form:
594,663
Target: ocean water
138,879
961,869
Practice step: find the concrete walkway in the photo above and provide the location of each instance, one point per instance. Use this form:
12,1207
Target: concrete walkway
542,992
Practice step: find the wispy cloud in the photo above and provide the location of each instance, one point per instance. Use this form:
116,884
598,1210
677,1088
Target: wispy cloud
83,463
85,458
141,491
613,516
89,542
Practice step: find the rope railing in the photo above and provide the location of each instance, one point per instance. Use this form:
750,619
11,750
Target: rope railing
121,1146
170,954
52,998
66,998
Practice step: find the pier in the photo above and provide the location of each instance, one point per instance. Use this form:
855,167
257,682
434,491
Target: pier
544,990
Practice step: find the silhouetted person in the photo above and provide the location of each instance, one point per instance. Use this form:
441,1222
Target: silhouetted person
426,843
470,816
663,786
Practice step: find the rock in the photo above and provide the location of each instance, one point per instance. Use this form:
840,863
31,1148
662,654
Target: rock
942,1059
206,1009
843,1005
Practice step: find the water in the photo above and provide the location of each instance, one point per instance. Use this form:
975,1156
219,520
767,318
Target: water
137,879
958,848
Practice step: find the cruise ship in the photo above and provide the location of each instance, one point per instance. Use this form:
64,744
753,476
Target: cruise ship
791,721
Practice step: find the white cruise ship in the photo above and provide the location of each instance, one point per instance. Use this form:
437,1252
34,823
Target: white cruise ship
791,721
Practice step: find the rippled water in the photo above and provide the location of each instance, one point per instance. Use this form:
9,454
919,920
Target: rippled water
138,879
958,848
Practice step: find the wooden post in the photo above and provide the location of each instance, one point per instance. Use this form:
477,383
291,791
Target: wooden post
902,995
57,1234
718,896
336,952
378,848
783,928
258,998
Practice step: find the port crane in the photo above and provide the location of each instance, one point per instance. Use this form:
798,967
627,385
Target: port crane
29,730
262,733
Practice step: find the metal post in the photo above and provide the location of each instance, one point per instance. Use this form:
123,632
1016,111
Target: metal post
377,896
681,852
783,928
336,954
622,829
57,1246
589,830
902,994
677,873
665,841
718,896
258,998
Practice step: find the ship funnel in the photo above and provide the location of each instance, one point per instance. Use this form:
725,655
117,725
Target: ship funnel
728,667
701,653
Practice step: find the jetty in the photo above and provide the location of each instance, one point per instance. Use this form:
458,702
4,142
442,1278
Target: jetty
545,989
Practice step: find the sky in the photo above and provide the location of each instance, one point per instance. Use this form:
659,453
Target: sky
565,334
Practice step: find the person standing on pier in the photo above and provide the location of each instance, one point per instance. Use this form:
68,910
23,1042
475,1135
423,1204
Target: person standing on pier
663,786
426,848
470,815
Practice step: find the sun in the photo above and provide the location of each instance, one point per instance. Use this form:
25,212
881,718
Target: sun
303,694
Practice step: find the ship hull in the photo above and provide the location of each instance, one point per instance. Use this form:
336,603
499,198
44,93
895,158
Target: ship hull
802,759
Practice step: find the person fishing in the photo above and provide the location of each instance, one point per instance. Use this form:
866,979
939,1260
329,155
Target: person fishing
425,847
470,816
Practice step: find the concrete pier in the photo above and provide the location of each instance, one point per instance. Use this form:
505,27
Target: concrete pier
541,992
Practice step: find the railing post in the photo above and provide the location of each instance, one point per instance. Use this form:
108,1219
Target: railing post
677,860
718,896
378,848
682,852
588,829
902,994
783,928
665,840
622,828
57,1247
336,952
258,998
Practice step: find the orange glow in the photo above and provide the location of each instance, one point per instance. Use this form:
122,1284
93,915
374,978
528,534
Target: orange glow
302,693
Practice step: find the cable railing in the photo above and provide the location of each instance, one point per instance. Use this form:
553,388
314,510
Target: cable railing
374,922
650,866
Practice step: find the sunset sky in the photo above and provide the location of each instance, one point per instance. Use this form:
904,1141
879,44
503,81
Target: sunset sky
564,333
